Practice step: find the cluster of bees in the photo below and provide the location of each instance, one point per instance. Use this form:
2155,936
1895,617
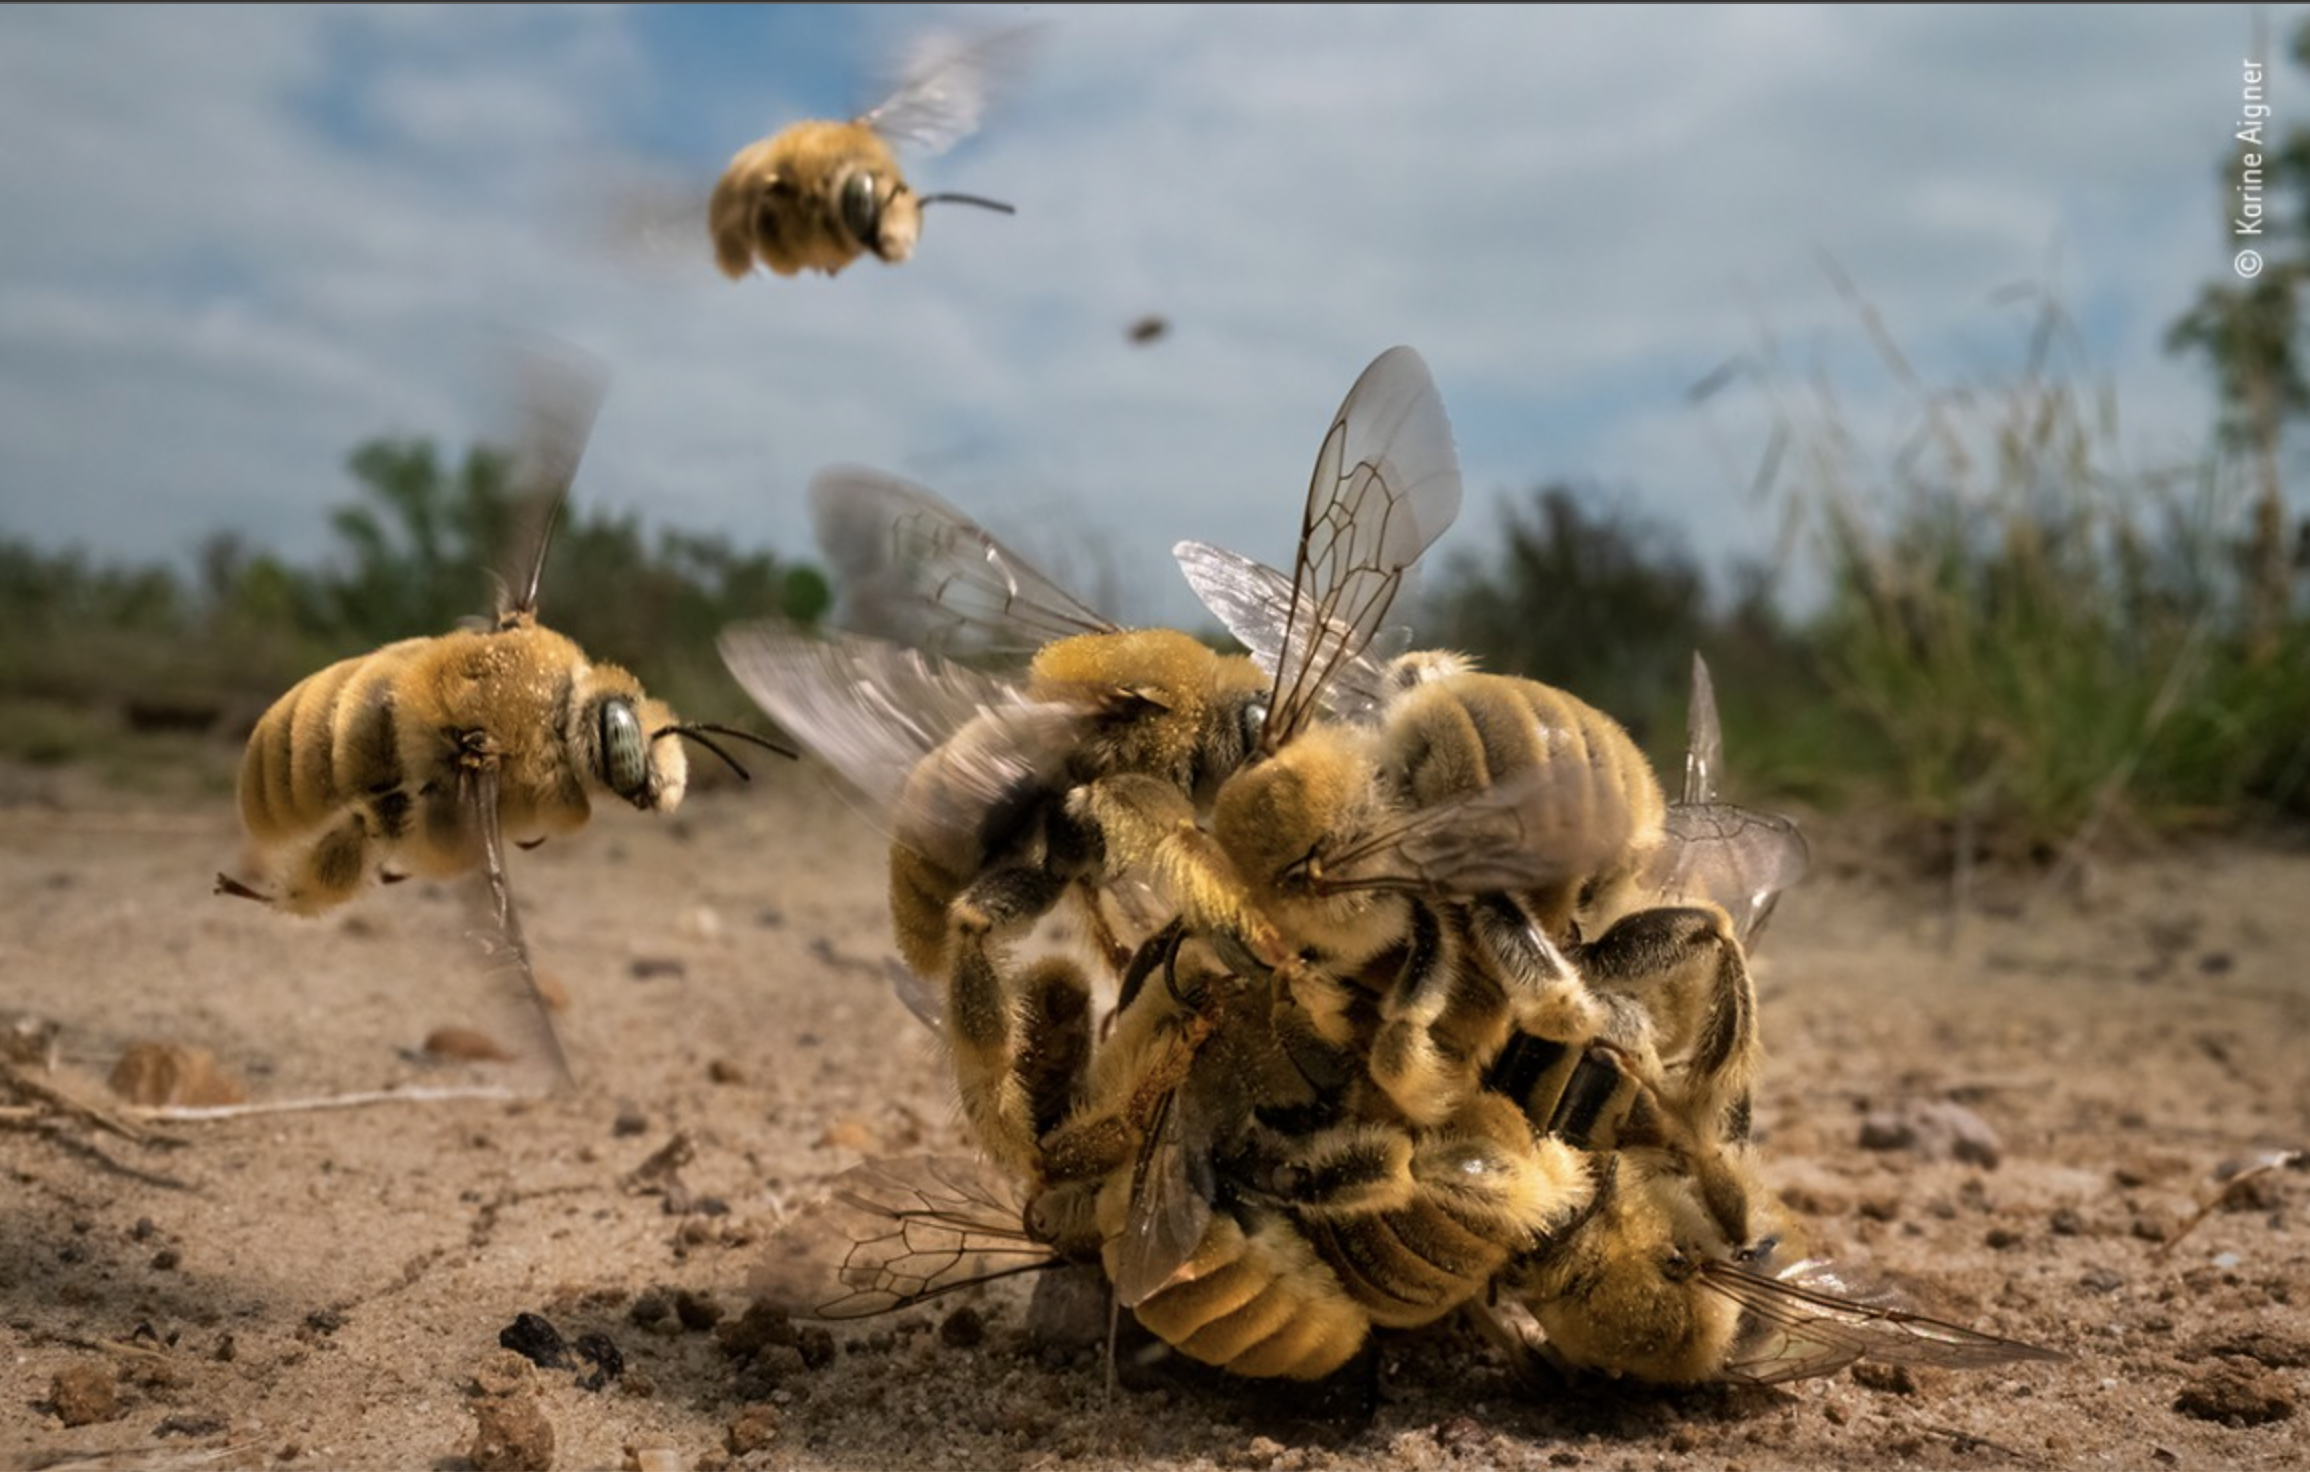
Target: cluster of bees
1385,988
1331,987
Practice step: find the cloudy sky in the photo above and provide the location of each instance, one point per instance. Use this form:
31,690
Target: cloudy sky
234,243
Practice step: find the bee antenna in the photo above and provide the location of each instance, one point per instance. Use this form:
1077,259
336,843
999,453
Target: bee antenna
696,733
983,203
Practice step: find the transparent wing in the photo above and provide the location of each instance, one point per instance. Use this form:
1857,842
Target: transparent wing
893,1233
1169,1213
874,712
1386,484
945,83
1172,1181
1253,600
910,568
1523,832
1738,858
1703,738
1811,1319
561,395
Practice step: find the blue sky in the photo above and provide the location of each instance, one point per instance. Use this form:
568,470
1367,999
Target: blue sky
235,242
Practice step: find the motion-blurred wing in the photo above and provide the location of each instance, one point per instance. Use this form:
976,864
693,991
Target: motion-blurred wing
945,84
910,568
876,713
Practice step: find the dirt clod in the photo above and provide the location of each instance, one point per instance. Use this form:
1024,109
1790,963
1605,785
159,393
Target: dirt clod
511,1434
85,1393
753,1428
2236,1392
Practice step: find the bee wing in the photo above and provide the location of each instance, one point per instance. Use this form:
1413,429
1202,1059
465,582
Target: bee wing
1254,601
562,391
1170,1211
911,568
1811,1319
1386,484
1525,831
873,711
1703,738
893,1233
1739,858
945,84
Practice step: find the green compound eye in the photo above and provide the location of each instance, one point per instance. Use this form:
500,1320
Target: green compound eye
625,759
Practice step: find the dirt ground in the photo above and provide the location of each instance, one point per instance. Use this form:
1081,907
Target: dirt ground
328,1287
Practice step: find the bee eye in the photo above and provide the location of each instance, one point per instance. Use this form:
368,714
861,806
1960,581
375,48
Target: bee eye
861,209
1254,717
625,755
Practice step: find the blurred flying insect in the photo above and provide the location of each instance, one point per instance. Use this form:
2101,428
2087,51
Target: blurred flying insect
423,756
818,194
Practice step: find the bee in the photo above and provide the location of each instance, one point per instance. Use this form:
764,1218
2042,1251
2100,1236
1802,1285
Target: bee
1097,764
818,194
1646,1285
1340,841
424,756
1259,1249
1669,1274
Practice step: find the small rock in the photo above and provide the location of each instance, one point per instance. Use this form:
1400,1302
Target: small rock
154,1074
511,1434
600,1351
753,1428
1936,1129
534,1338
697,1312
464,1045
504,1372
85,1393
2236,1392
759,1327
962,1329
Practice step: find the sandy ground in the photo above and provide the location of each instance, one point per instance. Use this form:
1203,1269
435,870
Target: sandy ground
328,1287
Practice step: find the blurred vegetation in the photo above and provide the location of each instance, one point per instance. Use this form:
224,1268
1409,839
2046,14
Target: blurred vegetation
89,652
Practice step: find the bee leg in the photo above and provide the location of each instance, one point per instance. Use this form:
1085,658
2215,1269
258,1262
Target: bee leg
1103,938
1682,966
228,885
327,873
983,1019
1423,1077
1145,823
1054,1063
1547,997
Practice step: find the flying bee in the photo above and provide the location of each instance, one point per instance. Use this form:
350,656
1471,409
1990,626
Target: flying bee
424,756
818,194
1097,764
